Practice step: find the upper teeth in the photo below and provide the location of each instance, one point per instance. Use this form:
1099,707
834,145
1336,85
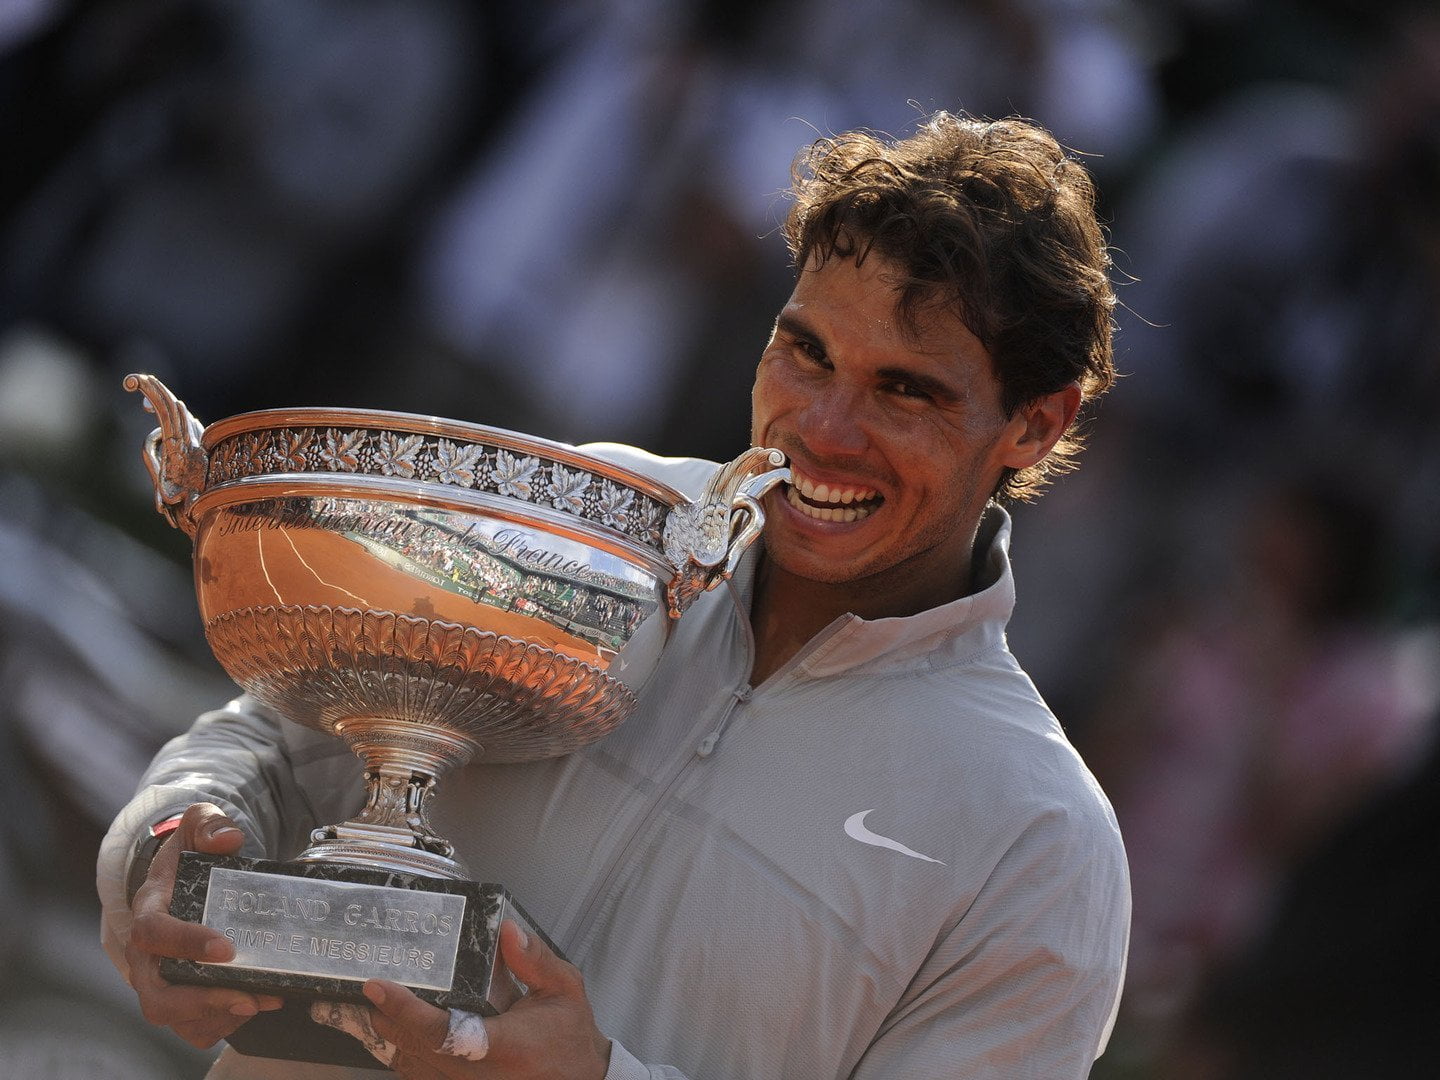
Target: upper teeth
824,493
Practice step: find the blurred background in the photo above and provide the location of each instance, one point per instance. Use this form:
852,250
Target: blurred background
560,217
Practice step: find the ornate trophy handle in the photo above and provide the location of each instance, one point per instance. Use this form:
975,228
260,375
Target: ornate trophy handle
173,452
705,539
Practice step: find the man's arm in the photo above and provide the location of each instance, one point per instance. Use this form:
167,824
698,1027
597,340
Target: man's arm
243,760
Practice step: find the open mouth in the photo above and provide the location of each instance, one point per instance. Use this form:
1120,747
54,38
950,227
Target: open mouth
825,502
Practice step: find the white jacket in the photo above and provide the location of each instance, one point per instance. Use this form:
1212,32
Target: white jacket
886,861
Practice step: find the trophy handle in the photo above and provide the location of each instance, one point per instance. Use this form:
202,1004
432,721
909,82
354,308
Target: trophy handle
173,452
705,539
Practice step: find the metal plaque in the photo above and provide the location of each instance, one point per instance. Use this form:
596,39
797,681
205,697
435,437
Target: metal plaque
336,929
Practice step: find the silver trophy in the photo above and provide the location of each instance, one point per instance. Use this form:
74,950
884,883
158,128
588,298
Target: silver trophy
432,592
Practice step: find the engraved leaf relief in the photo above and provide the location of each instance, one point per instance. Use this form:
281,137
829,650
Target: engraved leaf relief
412,456
343,449
567,489
396,455
458,463
250,454
291,449
514,476
650,519
614,504
222,463
217,468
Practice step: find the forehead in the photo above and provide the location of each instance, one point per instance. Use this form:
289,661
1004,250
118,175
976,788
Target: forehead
860,305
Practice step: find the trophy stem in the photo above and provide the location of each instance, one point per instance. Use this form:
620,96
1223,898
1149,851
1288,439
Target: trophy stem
391,832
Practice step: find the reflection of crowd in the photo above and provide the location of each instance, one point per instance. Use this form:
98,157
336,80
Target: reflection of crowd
492,579
472,573
615,616
557,218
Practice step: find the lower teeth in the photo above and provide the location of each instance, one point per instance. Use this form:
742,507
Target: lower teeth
844,514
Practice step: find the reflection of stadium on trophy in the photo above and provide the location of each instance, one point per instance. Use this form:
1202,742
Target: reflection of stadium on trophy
501,570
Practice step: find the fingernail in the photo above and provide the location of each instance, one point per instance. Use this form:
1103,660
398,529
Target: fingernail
524,937
217,949
375,992
223,830
270,1004
243,1008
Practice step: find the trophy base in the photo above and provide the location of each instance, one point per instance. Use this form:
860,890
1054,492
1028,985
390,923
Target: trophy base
289,1034
316,931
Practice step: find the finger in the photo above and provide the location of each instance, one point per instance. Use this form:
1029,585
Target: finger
534,963
190,1009
159,933
466,1036
204,1035
404,1019
205,1031
423,1065
191,1002
171,1003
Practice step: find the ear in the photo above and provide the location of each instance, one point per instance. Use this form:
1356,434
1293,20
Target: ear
1038,425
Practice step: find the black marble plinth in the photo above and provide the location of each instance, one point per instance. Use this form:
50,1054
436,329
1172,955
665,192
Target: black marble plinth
295,927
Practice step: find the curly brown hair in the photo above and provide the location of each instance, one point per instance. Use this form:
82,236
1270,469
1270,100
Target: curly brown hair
990,219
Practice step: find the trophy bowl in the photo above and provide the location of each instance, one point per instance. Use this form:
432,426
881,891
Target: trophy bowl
431,592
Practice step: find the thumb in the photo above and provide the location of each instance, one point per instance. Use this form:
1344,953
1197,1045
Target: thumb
206,828
534,963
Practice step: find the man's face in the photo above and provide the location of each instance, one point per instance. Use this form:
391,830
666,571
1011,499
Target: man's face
895,440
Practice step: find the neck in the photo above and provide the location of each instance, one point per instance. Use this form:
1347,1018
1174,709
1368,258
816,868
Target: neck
788,611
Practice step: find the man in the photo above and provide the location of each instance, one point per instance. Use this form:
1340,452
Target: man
842,835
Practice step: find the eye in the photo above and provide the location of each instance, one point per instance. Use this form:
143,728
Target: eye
810,350
908,390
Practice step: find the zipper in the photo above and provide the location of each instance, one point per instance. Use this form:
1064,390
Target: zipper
703,750
661,798
709,742
707,745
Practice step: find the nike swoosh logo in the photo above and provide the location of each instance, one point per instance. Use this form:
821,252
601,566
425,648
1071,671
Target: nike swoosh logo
856,830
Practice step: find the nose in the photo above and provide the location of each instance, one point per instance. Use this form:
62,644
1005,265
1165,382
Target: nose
832,423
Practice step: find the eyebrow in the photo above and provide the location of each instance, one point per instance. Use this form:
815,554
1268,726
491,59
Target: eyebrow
795,326
938,389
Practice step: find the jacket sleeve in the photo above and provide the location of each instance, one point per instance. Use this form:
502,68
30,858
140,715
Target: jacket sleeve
274,779
1026,984
625,1066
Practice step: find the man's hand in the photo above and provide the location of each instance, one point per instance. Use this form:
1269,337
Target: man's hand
200,1015
549,1034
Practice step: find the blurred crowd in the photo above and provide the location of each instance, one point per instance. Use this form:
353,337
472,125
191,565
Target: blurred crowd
560,217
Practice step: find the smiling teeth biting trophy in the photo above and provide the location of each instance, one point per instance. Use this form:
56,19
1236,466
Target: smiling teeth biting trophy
432,592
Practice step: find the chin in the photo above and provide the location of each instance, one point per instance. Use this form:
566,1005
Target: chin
813,565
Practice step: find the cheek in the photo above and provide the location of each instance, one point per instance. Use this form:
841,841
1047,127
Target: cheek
768,398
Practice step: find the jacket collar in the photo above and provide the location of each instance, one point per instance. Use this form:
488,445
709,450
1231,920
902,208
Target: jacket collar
937,637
